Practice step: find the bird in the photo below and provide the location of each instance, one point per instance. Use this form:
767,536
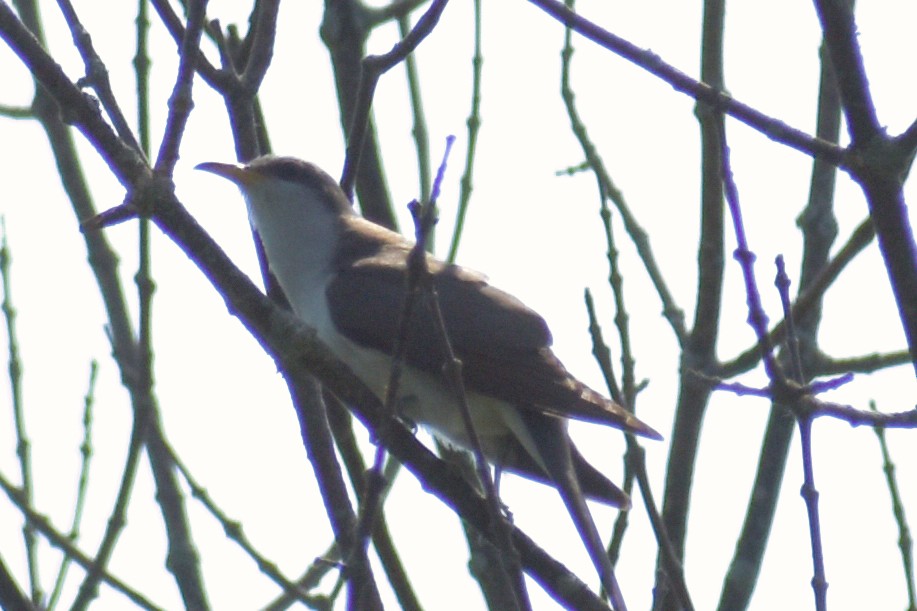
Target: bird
346,277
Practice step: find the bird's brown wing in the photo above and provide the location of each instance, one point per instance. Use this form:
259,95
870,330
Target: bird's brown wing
504,346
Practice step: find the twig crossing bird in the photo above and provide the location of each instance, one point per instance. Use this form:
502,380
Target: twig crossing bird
346,277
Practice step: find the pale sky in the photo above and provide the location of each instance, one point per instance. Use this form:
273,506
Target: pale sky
535,234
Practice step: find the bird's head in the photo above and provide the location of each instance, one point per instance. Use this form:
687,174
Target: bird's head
271,182
296,209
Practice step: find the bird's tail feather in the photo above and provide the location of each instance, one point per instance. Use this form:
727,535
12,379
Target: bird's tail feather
558,455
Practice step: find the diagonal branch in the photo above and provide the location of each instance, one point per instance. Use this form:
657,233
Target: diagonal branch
297,348
374,66
702,92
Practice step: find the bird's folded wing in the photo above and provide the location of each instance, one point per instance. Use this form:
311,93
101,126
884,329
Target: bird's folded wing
504,346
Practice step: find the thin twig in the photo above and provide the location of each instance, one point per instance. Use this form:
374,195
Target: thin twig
23,445
57,92
638,235
16,112
809,299
97,74
234,531
180,102
83,486
143,363
637,465
865,363
374,484
786,390
142,75
124,161
340,423
782,282
89,587
310,579
345,27
261,48
212,75
757,319
819,230
810,494
804,418
374,66
63,543
905,542
474,127
424,220
419,129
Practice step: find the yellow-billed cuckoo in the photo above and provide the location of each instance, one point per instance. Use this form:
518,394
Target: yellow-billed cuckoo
346,277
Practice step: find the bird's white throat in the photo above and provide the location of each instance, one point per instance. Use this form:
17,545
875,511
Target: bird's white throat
298,233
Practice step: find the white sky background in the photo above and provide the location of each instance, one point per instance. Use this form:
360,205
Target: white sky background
537,235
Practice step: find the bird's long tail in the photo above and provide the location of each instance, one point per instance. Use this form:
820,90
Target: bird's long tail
554,444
